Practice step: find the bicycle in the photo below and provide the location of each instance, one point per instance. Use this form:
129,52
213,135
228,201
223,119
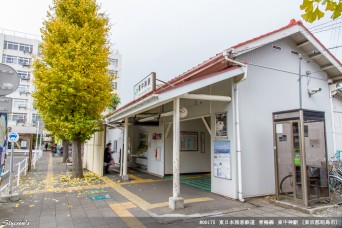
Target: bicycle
335,184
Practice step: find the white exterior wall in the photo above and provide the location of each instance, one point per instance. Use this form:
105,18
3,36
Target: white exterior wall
93,153
266,91
337,108
219,185
16,95
155,164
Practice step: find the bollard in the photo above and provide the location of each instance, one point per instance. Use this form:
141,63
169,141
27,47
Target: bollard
18,178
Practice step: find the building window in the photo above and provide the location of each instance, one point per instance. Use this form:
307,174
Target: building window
20,117
9,59
114,73
16,60
23,89
20,103
24,61
25,75
115,146
114,85
113,62
35,118
26,48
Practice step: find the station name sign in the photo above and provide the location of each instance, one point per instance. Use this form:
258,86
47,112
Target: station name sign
145,86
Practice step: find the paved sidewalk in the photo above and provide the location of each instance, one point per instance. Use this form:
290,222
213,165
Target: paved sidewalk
50,198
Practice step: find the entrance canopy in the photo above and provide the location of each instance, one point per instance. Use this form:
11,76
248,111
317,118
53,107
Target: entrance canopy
181,88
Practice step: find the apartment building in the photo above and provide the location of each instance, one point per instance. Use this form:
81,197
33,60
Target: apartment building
115,64
18,50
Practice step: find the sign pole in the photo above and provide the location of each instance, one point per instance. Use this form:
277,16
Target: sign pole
12,137
11,170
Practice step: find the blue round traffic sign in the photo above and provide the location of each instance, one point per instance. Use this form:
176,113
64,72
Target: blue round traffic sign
13,137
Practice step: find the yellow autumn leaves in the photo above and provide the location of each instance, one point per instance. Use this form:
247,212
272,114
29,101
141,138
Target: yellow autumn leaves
71,76
313,9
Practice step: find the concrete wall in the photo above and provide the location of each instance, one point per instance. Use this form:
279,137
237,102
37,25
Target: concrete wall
266,91
93,153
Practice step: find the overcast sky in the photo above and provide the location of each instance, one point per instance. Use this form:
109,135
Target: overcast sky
172,36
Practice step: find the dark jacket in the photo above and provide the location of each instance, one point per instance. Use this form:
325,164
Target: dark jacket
107,155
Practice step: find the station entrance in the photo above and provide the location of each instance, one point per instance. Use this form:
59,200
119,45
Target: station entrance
152,150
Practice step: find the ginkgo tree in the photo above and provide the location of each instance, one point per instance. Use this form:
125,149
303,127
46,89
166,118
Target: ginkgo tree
71,76
315,9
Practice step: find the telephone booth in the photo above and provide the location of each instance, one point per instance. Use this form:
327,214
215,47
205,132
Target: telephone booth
300,156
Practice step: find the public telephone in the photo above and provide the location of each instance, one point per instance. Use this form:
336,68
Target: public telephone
300,156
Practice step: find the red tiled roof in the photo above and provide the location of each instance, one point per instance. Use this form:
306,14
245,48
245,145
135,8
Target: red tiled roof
215,65
292,23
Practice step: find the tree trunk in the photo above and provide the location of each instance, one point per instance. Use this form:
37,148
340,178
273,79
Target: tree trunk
77,158
65,150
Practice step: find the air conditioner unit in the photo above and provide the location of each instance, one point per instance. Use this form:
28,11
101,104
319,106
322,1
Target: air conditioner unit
22,106
24,92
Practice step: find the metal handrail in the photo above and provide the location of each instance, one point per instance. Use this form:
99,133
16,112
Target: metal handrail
21,170
4,173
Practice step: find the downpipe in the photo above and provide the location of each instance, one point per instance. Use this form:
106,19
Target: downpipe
237,119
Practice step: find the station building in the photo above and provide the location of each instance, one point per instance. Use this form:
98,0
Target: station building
220,116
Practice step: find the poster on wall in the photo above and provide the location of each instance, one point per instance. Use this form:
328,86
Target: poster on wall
3,128
221,125
23,144
188,141
222,164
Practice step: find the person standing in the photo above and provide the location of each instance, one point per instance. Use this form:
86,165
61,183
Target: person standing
108,160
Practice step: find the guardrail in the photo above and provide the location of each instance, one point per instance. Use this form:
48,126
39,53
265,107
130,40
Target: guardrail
6,185
20,170
36,156
23,167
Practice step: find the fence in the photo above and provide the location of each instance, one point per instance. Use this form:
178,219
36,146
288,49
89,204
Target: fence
23,167
6,185
20,170
36,156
